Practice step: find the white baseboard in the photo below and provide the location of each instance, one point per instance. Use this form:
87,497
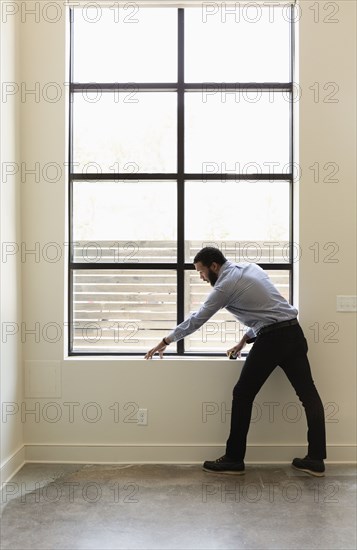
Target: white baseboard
174,453
158,454
12,464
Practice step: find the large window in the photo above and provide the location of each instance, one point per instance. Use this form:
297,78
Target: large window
181,136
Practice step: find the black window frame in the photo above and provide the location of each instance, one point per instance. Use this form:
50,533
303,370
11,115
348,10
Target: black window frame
180,177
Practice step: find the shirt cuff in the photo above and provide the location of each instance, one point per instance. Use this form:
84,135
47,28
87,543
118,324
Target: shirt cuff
250,333
172,336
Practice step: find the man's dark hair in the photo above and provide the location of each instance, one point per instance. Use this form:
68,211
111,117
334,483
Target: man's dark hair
208,255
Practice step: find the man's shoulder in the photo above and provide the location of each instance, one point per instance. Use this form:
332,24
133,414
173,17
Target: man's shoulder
239,271
230,271
242,266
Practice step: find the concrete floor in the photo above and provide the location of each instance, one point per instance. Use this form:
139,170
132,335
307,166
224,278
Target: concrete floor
147,507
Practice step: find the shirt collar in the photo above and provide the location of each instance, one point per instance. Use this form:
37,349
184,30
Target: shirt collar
223,268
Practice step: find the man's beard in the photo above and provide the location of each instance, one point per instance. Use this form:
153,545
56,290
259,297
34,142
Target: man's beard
212,277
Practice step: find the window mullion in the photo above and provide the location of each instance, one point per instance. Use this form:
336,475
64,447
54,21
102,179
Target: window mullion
70,183
180,179
291,202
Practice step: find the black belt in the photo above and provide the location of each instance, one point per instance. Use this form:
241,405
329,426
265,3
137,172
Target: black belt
276,326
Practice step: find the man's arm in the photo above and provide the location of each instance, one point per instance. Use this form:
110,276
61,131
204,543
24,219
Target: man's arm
214,302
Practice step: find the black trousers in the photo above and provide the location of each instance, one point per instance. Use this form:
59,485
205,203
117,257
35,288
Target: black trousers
285,347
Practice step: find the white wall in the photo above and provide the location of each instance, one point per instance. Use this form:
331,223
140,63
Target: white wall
12,451
328,210
174,391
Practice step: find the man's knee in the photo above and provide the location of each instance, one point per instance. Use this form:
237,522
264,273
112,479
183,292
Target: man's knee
310,397
242,392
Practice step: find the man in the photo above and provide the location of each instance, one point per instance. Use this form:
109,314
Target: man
246,291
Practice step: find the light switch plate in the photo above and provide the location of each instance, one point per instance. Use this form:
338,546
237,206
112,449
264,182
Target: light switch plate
346,303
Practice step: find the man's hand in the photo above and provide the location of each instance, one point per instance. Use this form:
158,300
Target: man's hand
238,348
159,348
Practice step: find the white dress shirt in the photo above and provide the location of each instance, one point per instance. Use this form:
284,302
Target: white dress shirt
245,290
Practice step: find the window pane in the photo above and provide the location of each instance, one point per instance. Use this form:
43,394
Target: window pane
249,45
131,131
124,221
126,131
125,44
248,221
223,330
122,311
247,132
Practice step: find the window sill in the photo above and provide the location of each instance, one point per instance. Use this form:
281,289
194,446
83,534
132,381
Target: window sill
141,359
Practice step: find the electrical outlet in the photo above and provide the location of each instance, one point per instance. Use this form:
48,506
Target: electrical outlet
142,417
346,303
